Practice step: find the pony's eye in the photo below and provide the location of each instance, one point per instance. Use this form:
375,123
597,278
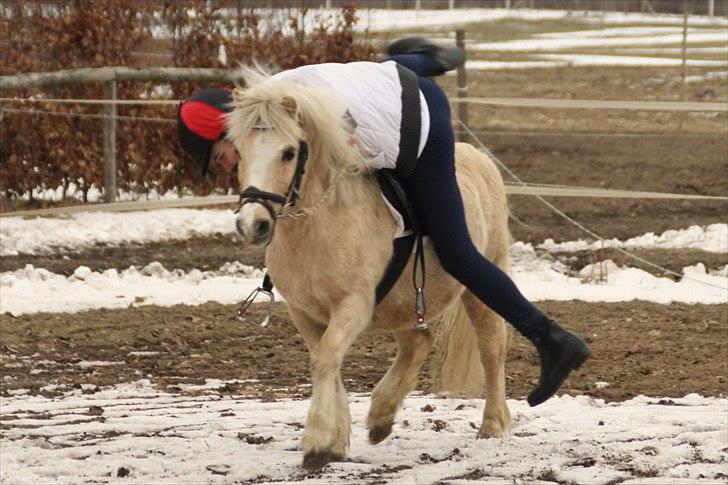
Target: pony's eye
288,154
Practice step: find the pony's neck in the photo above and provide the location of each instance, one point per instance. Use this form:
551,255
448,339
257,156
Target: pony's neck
322,171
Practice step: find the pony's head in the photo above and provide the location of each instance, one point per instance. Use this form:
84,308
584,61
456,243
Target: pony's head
275,126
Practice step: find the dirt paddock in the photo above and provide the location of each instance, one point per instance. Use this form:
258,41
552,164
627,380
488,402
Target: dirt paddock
638,348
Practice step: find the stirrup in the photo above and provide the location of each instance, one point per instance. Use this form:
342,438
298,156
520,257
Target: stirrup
420,324
245,305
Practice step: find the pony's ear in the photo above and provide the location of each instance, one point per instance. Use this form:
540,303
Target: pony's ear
291,105
238,94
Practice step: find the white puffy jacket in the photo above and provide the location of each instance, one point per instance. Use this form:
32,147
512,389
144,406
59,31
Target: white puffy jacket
373,95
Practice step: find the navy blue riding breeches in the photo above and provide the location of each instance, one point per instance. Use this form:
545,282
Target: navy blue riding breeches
437,202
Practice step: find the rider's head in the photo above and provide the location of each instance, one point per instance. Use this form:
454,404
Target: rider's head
201,129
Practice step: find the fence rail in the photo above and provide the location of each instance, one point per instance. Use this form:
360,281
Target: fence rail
108,74
109,77
597,104
512,189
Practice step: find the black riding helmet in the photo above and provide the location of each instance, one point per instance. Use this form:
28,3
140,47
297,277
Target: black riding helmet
201,122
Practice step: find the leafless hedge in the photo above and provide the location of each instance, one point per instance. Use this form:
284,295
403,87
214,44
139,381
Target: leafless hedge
44,151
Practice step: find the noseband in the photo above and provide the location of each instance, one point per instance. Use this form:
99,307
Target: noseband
252,195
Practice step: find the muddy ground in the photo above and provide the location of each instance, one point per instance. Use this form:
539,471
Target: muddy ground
638,348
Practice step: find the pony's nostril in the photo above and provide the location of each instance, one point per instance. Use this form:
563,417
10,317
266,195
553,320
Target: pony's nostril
239,227
262,227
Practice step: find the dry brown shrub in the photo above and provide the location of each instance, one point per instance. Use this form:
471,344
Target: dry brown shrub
45,151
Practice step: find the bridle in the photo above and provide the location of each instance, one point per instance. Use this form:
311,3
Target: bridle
253,195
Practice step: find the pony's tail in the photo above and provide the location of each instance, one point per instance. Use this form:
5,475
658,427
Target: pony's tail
457,369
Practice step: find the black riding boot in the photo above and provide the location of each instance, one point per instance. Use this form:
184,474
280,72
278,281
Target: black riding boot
446,57
561,352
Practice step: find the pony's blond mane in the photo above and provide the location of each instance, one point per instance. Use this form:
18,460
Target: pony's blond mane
265,102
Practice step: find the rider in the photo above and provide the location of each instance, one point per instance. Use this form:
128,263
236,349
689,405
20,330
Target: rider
431,187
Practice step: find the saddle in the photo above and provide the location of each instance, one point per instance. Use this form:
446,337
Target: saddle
403,246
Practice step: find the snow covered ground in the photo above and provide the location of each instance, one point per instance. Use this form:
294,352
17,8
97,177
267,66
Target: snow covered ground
601,38
537,274
38,235
43,235
713,238
381,20
384,20
134,433
566,60
659,30
566,41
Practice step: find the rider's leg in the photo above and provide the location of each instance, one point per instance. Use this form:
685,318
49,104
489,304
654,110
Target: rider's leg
421,64
445,57
437,200
438,204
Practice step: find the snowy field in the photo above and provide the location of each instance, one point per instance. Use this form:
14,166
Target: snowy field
134,433
656,30
137,432
552,49
385,20
536,273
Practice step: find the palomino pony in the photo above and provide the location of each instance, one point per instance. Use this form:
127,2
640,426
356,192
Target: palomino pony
327,254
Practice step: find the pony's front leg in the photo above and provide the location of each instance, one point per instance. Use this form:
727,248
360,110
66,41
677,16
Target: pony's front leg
328,426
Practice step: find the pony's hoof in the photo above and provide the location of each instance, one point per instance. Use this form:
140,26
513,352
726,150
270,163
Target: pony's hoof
316,460
378,433
493,429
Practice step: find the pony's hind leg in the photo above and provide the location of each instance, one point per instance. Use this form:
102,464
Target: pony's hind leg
490,330
413,348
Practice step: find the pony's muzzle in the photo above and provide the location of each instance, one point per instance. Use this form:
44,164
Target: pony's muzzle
255,228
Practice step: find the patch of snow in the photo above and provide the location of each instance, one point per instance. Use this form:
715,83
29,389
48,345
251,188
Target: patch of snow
95,194
572,60
713,238
567,42
603,60
44,235
673,50
624,32
537,277
111,289
210,438
32,236
87,364
540,279
384,20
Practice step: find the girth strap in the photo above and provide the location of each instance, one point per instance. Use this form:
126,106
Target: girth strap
402,246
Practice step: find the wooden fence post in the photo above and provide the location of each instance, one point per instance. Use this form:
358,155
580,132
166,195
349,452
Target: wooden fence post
110,142
462,86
